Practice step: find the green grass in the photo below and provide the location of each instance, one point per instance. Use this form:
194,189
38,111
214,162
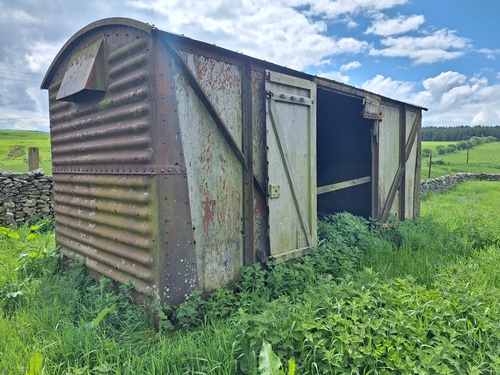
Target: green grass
419,298
24,139
484,158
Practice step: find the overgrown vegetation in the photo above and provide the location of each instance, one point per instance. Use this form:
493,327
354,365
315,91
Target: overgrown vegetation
418,298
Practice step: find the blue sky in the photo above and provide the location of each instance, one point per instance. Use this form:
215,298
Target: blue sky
442,54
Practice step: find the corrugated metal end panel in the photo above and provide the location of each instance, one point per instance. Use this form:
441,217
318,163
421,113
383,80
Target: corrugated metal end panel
103,160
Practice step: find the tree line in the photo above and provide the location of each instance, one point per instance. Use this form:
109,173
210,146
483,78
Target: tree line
459,133
461,145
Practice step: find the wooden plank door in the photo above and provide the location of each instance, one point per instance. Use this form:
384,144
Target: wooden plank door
291,157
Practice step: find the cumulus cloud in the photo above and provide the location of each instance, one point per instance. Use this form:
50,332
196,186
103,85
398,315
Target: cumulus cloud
336,76
386,86
490,53
271,31
350,65
440,45
336,8
391,26
455,99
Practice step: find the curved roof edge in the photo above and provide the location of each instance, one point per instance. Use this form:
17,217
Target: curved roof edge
104,22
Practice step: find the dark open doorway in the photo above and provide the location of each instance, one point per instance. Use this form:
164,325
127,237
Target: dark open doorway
344,156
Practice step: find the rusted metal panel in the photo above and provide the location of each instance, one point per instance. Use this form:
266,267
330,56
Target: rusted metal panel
104,165
222,83
109,134
177,257
249,255
109,222
215,184
86,72
259,127
291,143
259,160
388,154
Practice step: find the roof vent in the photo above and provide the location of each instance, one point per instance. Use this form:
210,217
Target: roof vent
86,73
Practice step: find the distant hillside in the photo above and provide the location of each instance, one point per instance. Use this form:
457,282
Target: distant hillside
459,133
14,146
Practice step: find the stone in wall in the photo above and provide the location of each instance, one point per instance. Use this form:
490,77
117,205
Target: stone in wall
25,197
445,183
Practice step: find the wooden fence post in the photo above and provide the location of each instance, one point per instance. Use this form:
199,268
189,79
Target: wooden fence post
33,158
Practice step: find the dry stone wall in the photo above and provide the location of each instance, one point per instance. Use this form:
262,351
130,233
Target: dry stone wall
25,197
29,196
445,183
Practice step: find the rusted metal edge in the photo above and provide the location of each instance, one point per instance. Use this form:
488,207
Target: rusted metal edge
248,173
207,103
123,169
91,27
273,113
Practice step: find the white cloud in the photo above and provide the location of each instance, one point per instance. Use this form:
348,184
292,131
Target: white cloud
490,53
399,25
41,55
441,45
444,82
273,31
386,86
336,8
351,24
454,99
336,76
349,66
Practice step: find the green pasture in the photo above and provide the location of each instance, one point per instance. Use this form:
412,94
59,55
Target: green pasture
484,158
23,140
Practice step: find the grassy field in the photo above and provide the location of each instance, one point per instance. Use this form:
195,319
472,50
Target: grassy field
484,158
419,298
22,140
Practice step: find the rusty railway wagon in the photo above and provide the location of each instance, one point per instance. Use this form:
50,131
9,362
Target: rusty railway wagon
177,162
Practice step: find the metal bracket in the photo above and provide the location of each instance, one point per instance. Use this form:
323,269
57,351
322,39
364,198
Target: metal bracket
274,191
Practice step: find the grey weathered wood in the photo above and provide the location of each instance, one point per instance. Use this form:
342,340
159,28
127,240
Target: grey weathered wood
343,185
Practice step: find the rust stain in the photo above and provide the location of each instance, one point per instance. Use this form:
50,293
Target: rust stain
209,205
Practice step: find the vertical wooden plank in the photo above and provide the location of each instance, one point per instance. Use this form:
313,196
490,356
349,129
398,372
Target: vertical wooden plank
402,162
417,183
33,158
375,170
